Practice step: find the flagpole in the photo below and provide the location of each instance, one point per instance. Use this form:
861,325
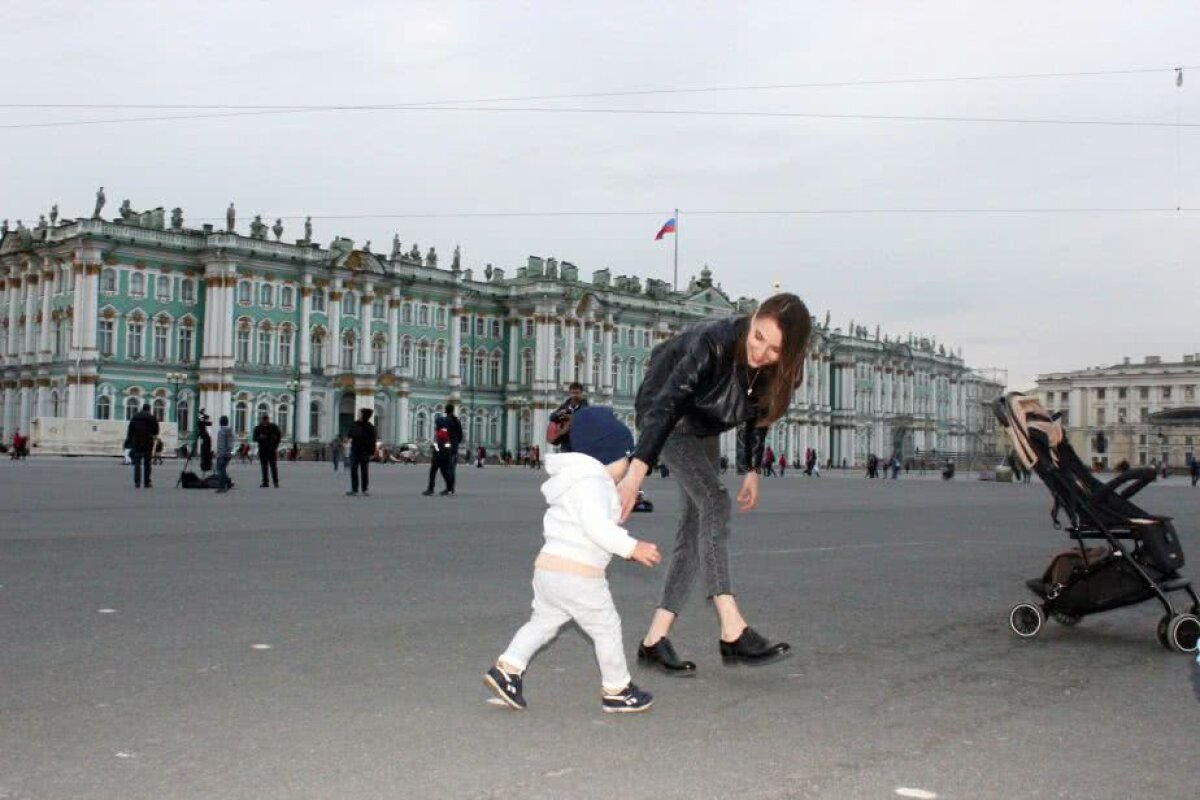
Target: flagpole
675,279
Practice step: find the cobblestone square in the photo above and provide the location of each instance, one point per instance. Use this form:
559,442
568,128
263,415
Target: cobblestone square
298,643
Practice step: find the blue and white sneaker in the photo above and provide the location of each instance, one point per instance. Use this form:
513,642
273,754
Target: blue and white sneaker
506,687
629,700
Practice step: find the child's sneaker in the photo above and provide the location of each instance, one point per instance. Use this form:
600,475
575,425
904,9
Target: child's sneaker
629,700
506,687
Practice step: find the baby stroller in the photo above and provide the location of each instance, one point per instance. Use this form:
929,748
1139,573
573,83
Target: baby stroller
1135,556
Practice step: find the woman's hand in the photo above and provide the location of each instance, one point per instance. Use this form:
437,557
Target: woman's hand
627,489
748,496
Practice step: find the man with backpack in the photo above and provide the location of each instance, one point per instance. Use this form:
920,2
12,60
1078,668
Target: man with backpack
363,439
447,436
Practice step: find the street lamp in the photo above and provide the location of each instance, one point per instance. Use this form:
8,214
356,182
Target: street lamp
293,386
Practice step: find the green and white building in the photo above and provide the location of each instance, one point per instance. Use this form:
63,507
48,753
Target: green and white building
98,317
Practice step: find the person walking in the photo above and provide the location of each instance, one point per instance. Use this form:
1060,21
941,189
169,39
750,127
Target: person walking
335,452
735,372
782,464
1193,468
769,463
268,436
363,438
142,430
561,416
582,535
224,455
447,448
158,451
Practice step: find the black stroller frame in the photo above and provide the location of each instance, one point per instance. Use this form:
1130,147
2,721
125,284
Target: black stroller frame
1111,575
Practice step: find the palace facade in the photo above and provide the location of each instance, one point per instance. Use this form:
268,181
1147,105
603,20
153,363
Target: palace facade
100,316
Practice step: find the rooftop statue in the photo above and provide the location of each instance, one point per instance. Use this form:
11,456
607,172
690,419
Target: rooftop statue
54,214
258,228
278,229
397,252
308,230
125,210
176,219
456,261
4,228
230,218
41,220
415,253
99,203
431,258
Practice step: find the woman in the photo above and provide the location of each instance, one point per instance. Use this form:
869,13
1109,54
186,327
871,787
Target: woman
714,376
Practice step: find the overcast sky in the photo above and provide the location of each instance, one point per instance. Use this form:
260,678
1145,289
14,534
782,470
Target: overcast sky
1027,292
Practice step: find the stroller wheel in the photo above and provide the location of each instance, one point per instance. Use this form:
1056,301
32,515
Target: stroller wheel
1183,633
1064,618
1026,620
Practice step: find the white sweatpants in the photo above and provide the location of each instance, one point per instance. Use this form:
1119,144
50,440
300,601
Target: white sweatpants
558,598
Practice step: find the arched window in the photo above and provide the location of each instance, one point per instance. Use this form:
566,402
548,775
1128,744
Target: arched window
183,416
287,297
162,340
406,313
421,426
108,281
244,293
60,327
243,345
464,365
493,430
616,373
137,285
135,342
480,363
132,406
54,403
631,375
349,307
423,316
262,409
285,347
318,300
378,309
378,352
314,420
103,407
264,346
160,409
187,291
595,374
423,360
406,353
283,418
439,361
317,345
162,288
527,367
441,316
266,295
494,371
241,412
347,362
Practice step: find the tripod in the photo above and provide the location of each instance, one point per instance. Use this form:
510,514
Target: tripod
203,442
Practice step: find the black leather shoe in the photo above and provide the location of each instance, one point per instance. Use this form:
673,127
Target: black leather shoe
752,649
662,656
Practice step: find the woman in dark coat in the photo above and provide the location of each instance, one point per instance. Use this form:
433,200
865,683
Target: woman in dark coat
714,376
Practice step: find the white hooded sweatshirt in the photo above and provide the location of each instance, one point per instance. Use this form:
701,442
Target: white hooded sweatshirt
581,521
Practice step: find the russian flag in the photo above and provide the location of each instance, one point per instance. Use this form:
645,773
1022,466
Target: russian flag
668,227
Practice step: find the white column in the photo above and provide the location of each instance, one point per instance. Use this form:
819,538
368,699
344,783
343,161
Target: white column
405,422
510,430
47,284
304,337
25,401
543,349
31,345
590,351
514,354
14,315
393,348
569,350
456,311
606,386
333,342
365,308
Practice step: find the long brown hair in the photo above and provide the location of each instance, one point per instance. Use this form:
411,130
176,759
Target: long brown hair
795,324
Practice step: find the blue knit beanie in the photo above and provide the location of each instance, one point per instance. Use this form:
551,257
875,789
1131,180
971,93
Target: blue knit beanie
596,431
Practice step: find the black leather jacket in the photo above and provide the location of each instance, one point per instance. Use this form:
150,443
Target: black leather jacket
695,380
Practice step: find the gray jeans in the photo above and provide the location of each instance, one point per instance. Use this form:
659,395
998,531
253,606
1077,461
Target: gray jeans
703,534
